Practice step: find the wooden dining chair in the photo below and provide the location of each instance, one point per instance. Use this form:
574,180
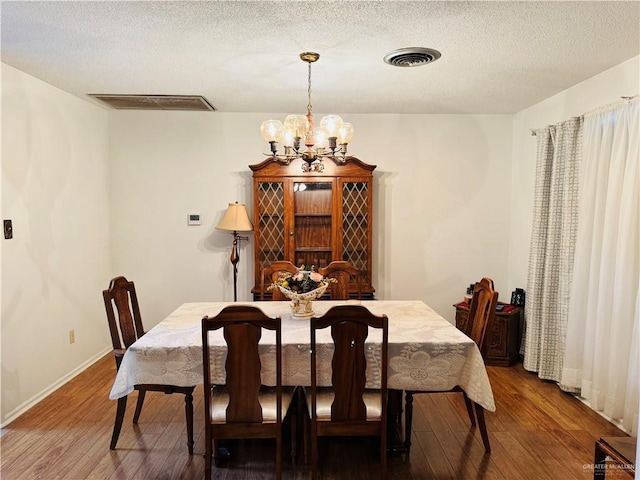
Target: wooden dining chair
124,332
343,272
271,273
348,408
481,312
243,407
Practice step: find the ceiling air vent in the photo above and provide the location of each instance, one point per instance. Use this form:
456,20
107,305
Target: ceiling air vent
155,102
411,57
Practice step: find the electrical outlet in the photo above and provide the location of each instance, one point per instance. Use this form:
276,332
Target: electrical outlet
72,336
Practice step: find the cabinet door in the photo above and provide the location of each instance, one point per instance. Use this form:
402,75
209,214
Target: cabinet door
462,320
495,338
312,223
270,219
356,228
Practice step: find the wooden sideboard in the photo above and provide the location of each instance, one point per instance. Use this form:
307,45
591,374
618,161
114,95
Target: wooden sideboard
502,338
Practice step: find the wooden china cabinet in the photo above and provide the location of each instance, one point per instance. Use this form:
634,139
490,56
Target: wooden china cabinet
313,218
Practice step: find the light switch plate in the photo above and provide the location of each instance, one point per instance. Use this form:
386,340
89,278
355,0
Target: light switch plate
8,229
194,219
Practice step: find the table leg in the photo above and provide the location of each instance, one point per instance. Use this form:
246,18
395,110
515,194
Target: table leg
395,443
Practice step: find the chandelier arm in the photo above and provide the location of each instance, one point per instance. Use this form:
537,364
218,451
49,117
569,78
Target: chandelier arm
284,159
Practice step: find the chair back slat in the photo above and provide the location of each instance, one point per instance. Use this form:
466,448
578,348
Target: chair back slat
243,372
343,272
349,366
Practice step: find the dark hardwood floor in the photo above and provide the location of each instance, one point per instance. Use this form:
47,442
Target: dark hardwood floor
537,432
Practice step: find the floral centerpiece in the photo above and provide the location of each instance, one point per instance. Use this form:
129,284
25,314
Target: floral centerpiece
302,288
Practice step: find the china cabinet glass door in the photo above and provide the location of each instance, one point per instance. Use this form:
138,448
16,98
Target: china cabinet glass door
312,232
355,226
271,247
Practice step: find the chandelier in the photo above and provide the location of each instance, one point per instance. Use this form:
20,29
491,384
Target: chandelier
299,131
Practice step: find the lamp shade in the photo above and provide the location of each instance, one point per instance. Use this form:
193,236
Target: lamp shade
236,219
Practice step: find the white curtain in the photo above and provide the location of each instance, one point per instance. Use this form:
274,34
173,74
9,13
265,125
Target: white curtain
603,327
552,247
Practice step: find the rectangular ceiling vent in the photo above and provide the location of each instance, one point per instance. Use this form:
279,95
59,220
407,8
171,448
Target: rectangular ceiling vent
155,102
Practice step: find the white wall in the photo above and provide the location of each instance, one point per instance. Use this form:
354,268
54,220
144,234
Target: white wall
54,188
605,88
442,203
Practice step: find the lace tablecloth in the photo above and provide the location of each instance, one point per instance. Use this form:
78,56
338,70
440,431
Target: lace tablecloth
426,352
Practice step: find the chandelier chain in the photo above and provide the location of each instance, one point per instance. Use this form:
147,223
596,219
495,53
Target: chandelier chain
309,106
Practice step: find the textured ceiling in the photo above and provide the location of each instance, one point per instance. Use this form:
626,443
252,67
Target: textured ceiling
497,57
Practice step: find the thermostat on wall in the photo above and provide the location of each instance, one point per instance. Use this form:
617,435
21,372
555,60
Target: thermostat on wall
194,219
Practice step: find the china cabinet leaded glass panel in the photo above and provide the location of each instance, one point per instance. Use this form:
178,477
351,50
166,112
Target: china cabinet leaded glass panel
355,228
271,216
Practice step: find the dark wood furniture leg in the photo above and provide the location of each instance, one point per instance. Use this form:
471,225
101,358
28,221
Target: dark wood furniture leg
188,410
395,443
408,415
136,414
483,428
469,404
117,426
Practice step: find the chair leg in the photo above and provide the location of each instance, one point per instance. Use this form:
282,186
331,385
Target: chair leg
408,420
483,428
136,415
279,454
293,428
469,404
306,439
208,454
305,425
188,410
215,455
117,426
383,451
314,451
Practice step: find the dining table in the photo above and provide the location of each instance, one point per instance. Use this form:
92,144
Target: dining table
425,351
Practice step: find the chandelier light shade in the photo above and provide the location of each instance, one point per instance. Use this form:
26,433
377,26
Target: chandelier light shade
235,220
300,137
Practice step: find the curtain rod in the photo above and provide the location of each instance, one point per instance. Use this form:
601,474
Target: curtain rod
534,132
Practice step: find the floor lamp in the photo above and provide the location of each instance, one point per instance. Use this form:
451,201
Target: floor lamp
236,220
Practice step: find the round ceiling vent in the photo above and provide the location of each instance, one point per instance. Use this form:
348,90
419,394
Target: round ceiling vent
411,57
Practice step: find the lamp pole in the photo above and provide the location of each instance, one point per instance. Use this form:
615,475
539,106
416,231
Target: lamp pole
235,258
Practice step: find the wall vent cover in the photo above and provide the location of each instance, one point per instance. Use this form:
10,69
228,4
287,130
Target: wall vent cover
411,57
155,102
